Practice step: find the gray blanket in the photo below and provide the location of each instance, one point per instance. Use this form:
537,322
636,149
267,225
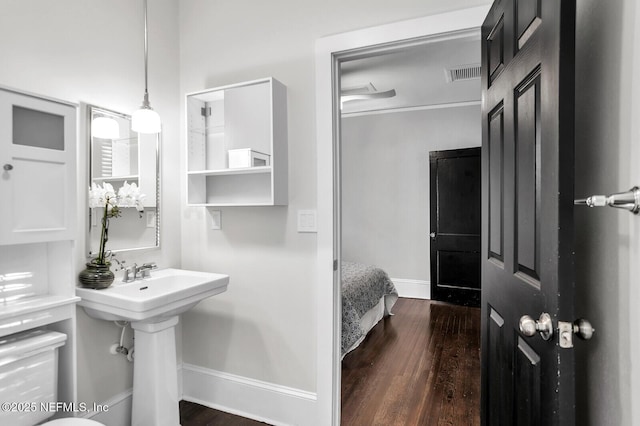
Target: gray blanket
362,288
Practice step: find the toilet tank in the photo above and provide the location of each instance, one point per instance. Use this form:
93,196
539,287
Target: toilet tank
28,376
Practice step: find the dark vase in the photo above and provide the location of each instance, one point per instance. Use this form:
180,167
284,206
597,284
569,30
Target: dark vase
96,276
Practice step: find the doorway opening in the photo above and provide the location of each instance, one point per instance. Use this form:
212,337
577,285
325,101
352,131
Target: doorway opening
330,52
397,106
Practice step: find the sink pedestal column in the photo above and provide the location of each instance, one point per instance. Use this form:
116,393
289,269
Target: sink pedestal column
155,376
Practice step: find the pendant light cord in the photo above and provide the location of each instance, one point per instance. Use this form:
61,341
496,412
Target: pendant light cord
145,103
145,119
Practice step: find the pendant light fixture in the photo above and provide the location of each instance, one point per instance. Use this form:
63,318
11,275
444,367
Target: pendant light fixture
145,119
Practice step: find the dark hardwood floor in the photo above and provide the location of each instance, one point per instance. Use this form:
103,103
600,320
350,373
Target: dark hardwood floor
192,414
420,367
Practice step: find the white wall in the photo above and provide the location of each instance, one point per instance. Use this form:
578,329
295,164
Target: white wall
264,327
385,184
90,51
606,91
634,158
277,40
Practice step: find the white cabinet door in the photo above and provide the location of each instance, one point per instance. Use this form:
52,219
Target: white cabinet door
37,166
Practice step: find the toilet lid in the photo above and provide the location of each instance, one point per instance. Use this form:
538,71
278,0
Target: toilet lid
72,421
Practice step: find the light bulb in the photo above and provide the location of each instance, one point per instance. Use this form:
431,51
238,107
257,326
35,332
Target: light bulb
145,120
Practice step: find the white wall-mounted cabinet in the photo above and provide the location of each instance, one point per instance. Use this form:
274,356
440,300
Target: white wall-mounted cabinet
38,216
249,120
37,167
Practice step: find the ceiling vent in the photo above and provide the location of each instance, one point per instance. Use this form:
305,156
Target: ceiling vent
463,72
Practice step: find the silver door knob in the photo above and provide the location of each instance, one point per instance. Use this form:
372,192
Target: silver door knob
583,329
629,200
580,327
544,326
433,235
8,167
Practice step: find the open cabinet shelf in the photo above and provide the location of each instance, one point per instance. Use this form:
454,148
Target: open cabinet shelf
237,145
238,171
132,178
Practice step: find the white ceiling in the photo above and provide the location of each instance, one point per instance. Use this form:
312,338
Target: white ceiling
418,75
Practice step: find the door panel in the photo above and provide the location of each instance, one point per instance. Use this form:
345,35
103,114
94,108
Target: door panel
527,147
40,210
457,197
527,205
458,269
496,50
495,147
528,19
497,393
527,393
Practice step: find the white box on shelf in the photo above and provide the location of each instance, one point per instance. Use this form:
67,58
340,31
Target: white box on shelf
246,157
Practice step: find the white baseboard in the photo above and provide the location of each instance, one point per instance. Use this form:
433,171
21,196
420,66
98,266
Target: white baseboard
254,399
414,289
118,411
242,396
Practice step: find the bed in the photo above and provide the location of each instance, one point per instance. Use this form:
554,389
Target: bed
368,294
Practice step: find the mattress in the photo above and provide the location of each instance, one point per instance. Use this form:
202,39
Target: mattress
368,294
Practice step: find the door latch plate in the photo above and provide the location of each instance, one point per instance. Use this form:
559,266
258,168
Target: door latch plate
565,333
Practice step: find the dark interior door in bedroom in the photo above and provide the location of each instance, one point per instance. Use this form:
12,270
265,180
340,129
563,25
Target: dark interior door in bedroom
528,101
455,225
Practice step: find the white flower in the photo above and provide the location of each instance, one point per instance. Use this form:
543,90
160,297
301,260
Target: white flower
99,195
110,196
109,191
129,196
104,197
96,196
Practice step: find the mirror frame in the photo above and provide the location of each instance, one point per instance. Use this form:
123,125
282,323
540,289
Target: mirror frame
90,111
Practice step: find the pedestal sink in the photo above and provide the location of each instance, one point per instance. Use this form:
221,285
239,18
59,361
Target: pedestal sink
152,305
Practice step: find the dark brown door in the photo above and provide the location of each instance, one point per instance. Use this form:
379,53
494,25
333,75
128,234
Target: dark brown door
455,225
527,205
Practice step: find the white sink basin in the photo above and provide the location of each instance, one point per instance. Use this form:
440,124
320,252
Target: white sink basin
168,292
152,306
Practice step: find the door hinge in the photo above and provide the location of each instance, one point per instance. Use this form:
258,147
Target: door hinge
205,111
335,264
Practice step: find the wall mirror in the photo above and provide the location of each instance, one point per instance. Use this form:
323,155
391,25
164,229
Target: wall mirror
120,156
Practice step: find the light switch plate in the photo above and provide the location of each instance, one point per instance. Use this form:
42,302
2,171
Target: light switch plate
307,221
215,219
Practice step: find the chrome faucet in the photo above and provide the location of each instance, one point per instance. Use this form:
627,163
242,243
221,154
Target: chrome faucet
144,271
130,273
135,272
